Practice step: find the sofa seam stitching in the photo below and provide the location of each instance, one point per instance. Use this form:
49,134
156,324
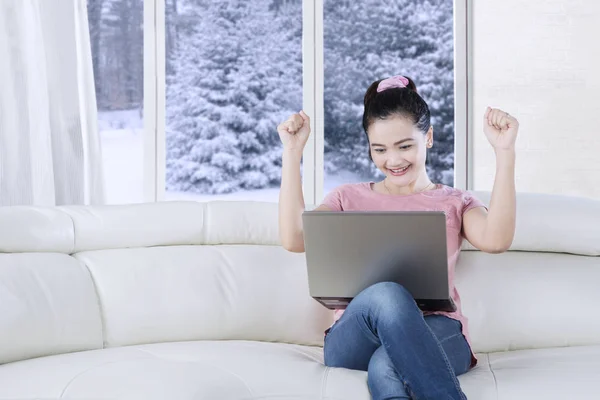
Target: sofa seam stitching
324,382
493,375
94,284
73,250
98,303
62,393
252,395
205,212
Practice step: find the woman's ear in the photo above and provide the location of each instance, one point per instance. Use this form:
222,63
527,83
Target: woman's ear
429,138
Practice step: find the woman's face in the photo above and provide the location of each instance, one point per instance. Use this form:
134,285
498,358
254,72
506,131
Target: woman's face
399,149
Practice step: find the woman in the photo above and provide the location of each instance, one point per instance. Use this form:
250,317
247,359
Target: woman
407,353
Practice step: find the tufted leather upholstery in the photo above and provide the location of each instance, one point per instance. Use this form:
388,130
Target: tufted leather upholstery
188,300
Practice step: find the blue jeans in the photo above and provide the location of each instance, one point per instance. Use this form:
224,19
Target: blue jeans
406,355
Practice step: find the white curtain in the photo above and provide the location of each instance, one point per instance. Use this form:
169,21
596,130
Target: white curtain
49,144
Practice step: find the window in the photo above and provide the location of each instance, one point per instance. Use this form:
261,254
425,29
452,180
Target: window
233,72
220,75
369,40
116,36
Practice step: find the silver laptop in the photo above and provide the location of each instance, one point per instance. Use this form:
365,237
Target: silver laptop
349,251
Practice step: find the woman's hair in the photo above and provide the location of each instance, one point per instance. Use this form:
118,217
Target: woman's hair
396,101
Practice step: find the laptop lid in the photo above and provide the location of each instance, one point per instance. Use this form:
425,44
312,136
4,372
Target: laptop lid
349,251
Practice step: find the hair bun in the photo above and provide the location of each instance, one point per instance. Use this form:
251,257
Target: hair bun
394,82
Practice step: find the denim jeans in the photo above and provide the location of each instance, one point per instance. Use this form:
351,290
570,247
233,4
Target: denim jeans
406,355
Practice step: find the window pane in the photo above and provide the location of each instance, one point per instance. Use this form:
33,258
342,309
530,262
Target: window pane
369,40
116,35
234,71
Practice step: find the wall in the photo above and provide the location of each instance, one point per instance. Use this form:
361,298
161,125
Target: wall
537,60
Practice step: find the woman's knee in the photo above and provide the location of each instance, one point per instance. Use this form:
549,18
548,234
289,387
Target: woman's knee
386,298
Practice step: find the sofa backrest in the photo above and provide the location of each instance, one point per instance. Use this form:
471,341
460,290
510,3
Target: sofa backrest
83,277
48,305
544,291
159,272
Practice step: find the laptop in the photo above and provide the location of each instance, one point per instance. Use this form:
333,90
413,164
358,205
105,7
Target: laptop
349,251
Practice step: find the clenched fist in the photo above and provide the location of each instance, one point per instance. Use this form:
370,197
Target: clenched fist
500,128
294,132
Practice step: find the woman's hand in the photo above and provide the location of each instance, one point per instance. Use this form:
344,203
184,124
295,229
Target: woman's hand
500,128
294,132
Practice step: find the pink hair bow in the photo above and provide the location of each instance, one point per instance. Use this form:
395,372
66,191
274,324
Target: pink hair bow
397,81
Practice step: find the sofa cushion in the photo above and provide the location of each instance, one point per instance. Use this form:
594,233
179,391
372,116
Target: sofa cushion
178,293
48,305
521,300
35,229
240,370
562,373
137,225
232,370
174,223
554,223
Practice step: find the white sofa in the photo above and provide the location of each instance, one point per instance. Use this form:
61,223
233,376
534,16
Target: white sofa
186,300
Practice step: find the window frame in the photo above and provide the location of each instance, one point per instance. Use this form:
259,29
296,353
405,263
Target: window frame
313,89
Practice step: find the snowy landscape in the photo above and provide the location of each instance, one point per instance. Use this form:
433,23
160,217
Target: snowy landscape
234,71
121,135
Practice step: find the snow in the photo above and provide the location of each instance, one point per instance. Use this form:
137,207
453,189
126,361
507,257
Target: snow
122,141
123,164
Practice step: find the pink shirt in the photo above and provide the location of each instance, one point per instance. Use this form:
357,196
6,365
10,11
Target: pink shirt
453,202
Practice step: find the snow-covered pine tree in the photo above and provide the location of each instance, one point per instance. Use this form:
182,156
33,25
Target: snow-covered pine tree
235,76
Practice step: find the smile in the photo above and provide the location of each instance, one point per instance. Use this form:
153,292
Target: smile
399,171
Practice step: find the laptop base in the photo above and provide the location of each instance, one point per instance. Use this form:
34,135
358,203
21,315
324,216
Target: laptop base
340,303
